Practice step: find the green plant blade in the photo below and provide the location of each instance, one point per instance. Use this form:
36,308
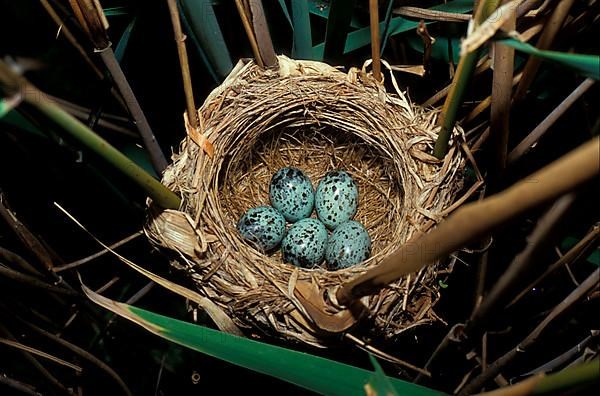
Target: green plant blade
379,383
115,11
362,37
124,40
311,372
338,24
587,65
17,119
576,376
286,12
201,53
386,30
202,21
7,104
302,33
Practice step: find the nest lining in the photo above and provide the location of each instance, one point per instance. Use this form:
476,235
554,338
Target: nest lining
316,118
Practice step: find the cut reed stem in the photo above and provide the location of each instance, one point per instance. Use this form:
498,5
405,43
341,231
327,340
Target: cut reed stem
94,24
64,29
249,32
183,62
375,55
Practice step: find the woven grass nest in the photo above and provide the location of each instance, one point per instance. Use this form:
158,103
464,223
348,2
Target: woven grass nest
311,116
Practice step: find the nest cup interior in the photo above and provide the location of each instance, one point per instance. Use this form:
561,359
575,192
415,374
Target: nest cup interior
316,150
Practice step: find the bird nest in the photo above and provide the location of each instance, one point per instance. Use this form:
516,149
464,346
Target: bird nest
314,117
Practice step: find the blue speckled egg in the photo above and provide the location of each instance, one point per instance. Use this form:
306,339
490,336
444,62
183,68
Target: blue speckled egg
304,244
263,227
336,199
348,245
292,194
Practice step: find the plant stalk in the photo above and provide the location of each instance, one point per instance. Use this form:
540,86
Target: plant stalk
494,368
249,32
185,67
581,249
260,28
73,41
160,194
551,29
543,234
157,157
525,145
504,58
477,219
375,55
465,68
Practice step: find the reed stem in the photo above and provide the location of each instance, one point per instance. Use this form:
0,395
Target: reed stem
160,194
159,162
185,67
375,55
477,219
465,68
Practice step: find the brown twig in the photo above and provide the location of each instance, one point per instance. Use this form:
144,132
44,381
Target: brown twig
93,21
42,354
441,94
37,365
35,282
374,23
474,220
22,387
84,354
157,158
543,234
185,67
526,144
487,102
453,335
502,84
249,32
581,249
27,238
550,31
105,120
531,339
64,29
14,258
368,348
427,45
102,252
484,64
431,15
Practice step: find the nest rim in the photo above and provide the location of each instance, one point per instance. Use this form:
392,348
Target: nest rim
403,132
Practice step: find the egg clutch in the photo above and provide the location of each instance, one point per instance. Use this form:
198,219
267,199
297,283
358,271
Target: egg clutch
333,236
